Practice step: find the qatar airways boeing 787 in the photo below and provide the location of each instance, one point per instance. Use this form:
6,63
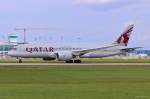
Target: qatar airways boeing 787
72,54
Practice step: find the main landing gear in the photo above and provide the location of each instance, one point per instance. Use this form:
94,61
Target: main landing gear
73,61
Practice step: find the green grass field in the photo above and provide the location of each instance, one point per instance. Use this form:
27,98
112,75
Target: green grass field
75,82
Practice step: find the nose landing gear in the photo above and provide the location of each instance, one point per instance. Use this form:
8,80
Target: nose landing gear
19,60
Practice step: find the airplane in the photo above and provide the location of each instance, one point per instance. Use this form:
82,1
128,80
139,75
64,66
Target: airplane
71,54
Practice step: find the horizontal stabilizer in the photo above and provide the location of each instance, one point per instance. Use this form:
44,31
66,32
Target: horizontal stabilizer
130,49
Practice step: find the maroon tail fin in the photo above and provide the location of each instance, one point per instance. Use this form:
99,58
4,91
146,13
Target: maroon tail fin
125,36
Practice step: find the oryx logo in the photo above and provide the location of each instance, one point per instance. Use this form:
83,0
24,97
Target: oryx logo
124,38
39,49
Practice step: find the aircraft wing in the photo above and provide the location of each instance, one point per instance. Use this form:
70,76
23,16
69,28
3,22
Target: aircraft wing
82,52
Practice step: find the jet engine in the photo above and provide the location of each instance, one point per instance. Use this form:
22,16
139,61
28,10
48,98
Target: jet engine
65,55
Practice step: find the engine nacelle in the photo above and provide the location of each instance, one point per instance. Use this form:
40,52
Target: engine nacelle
64,55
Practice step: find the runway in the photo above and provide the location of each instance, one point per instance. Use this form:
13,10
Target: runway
80,64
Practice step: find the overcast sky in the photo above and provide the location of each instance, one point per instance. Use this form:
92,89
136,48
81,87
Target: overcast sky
95,21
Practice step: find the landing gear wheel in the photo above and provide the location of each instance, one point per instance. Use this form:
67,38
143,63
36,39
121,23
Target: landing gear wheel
69,61
73,61
20,60
77,61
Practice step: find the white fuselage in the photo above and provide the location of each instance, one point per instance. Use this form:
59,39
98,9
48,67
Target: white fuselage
47,51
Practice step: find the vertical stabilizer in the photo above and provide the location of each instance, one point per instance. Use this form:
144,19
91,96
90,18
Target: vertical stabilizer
125,36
